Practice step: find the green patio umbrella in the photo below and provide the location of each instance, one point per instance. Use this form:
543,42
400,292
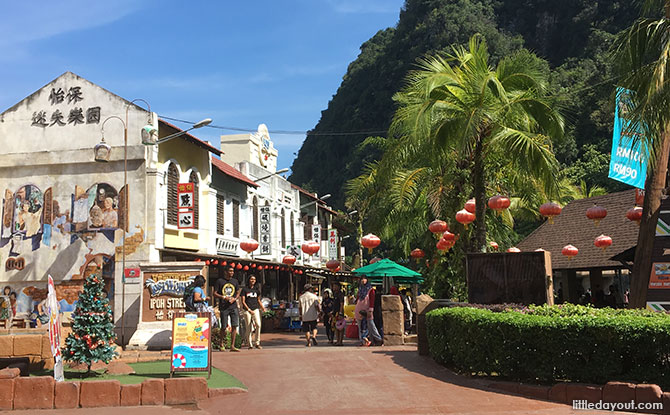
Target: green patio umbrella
387,268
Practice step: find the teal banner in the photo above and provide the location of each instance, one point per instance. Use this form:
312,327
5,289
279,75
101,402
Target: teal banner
628,163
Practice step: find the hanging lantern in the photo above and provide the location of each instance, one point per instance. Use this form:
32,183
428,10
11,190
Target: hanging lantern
207,262
602,242
437,227
634,214
332,265
513,249
238,266
569,251
549,210
253,265
198,260
494,245
370,241
465,217
539,250
310,247
216,262
288,260
596,213
442,245
246,268
471,206
224,263
249,245
499,203
417,254
449,237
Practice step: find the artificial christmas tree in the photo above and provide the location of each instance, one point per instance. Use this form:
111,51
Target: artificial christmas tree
92,337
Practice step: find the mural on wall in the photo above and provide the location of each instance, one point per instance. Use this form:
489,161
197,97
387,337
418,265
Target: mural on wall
66,237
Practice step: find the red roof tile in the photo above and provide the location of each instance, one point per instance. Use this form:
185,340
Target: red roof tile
193,139
573,227
231,171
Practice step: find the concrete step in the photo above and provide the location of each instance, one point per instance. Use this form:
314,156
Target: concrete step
411,339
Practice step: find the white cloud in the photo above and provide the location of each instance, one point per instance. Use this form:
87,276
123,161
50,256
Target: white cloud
27,21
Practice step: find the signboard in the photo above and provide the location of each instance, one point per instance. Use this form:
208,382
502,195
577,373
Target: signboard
663,224
660,276
316,237
332,244
191,343
628,163
265,242
185,204
186,220
294,250
131,276
163,294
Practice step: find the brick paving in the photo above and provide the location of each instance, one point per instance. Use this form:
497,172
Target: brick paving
285,377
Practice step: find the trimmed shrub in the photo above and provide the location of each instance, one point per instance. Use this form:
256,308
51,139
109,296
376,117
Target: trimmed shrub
547,344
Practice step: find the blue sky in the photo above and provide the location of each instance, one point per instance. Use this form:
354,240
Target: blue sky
240,63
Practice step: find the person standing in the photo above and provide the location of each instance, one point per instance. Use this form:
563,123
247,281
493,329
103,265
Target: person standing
366,301
328,314
227,290
309,313
253,308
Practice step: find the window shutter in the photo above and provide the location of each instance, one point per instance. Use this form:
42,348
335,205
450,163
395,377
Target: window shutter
172,195
236,218
220,205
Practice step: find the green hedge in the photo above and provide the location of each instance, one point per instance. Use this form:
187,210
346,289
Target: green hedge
548,344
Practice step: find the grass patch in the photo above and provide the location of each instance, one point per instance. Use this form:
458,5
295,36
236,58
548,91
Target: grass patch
147,370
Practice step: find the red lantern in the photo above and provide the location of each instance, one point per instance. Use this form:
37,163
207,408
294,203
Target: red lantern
499,203
249,245
569,251
449,237
370,241
465,217
198,260
224,263
207,262
438,226
417,254
494,245
216,262
253,265
603,242
539,250
310,247
332,265
288,260
634,214
232,264
549,210
471,206
444,245
238,266
513,249
596,213
246,268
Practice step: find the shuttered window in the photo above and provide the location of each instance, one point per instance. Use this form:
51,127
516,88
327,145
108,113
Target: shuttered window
254,231
193,178
172,183
292,229
283,229
220,205
236,218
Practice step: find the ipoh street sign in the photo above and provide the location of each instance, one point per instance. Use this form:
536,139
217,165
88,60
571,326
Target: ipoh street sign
628,163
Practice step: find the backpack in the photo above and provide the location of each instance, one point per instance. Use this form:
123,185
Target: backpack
188,297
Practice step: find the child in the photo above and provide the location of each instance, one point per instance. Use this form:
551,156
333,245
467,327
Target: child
364,329
339,324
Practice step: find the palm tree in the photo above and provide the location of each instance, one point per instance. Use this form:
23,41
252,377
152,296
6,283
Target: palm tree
484,118
643,55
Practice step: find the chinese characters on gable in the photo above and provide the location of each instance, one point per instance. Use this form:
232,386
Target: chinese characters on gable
264,219
73,116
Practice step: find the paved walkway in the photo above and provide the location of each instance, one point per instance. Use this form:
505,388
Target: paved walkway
285,377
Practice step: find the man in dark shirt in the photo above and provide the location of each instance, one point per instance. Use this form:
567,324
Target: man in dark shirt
227,290
338,299
253,308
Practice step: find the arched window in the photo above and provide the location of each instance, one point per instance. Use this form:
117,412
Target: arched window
283,229
254,231
193,178
172,202
236,218
292,229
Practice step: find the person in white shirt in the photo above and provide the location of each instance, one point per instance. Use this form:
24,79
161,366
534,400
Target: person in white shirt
309,313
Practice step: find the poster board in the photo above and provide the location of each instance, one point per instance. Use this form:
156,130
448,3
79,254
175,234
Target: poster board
191,343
